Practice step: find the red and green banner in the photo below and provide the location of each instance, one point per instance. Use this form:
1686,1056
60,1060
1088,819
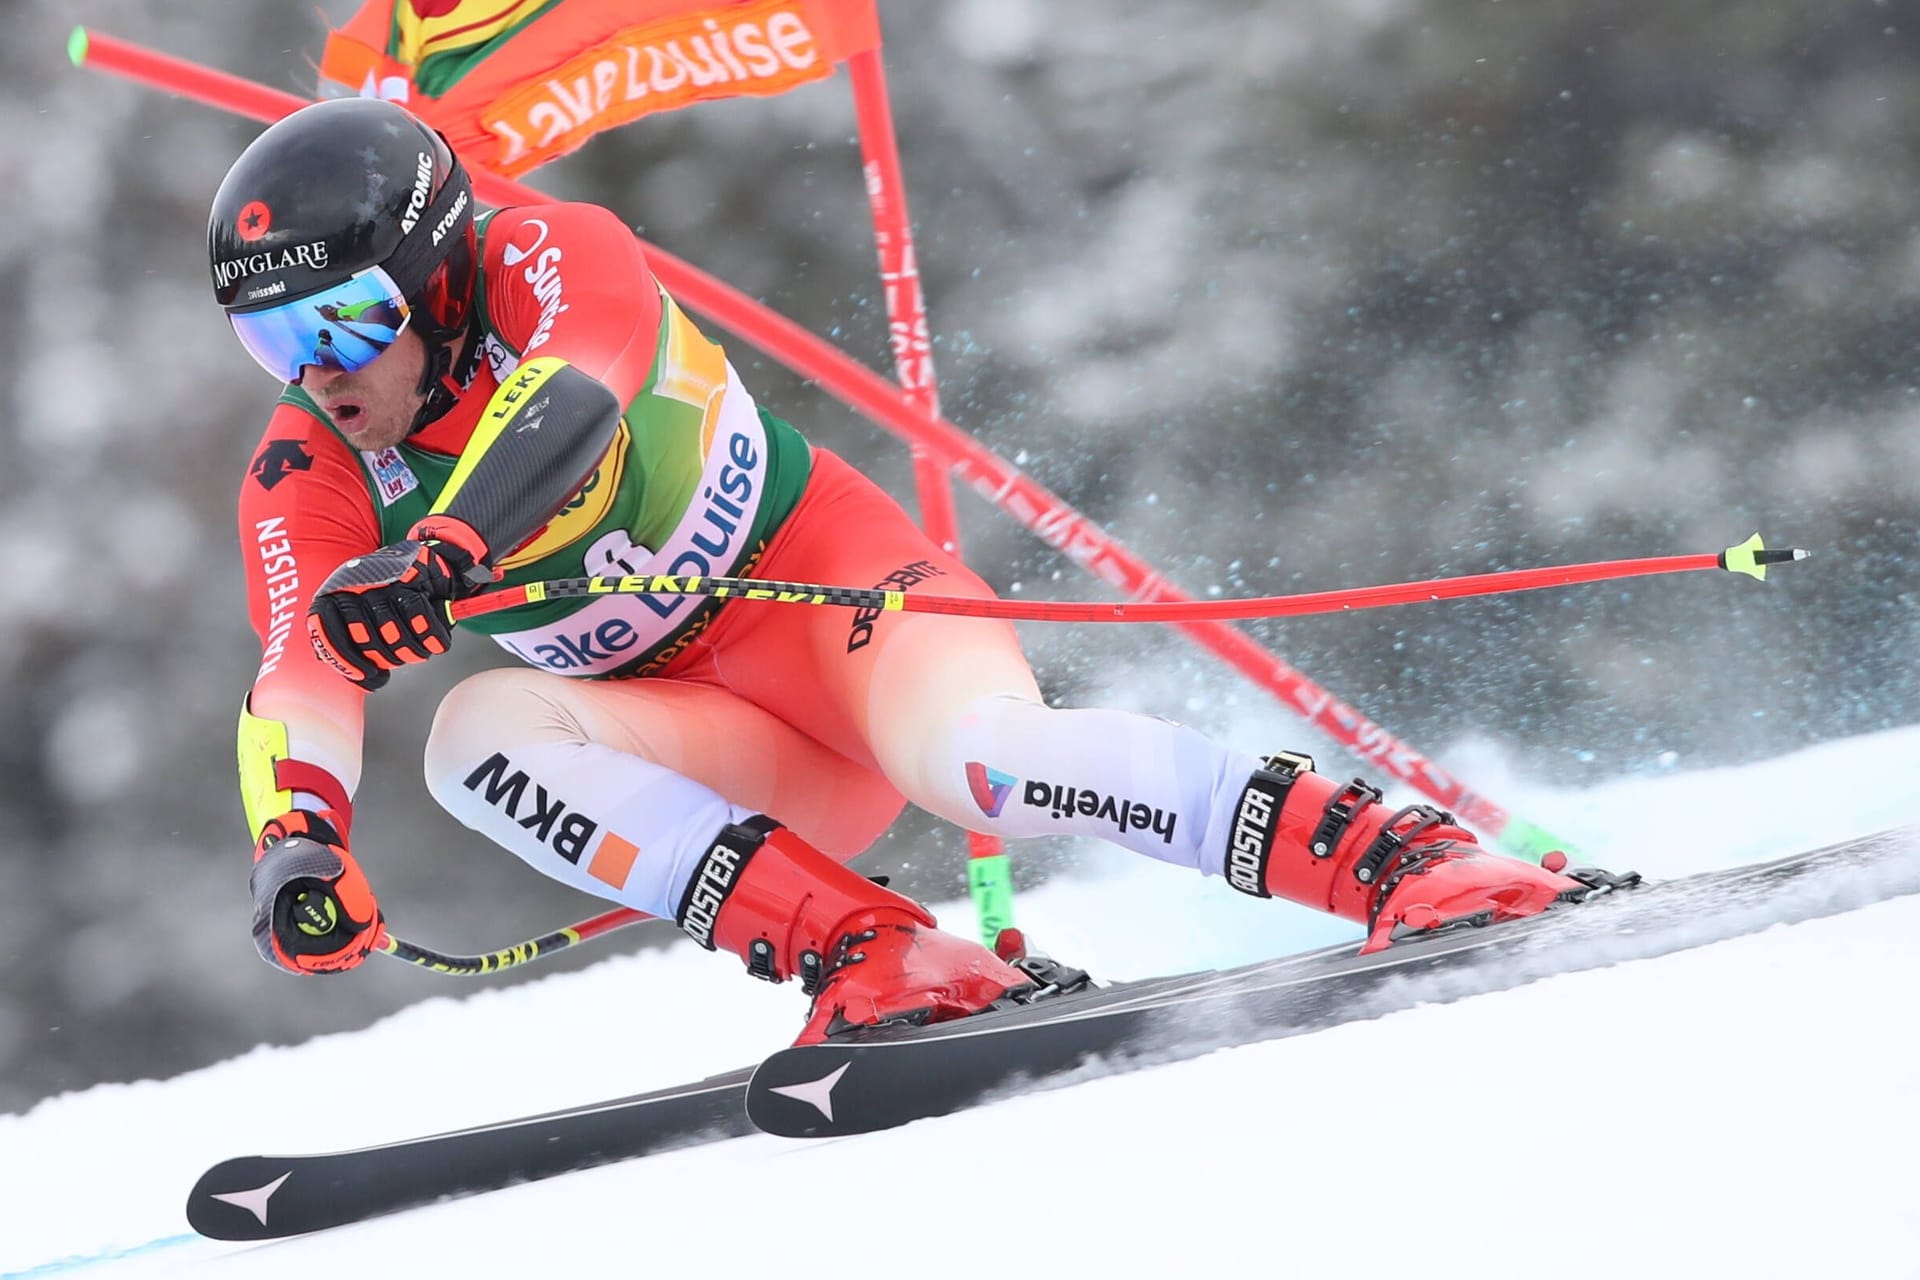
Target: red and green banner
516,83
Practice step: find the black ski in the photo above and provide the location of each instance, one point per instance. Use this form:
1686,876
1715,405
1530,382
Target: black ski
266,1197
879,1077
887,1076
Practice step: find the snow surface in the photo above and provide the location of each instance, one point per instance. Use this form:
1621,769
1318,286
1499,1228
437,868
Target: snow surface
1750,1108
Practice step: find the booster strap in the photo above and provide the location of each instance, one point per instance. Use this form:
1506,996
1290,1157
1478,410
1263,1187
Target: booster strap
1257,819
714,880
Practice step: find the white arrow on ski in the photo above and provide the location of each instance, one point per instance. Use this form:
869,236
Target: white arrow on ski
816,1093
255,1201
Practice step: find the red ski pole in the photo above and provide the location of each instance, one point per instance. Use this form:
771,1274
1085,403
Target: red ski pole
1750,557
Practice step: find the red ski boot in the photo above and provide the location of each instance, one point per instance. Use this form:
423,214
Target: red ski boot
864,953
1305,838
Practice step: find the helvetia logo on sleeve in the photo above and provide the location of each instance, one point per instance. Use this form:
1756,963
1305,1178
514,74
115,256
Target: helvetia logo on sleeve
1083,802
991,789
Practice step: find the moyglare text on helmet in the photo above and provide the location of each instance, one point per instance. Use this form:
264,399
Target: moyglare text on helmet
312,254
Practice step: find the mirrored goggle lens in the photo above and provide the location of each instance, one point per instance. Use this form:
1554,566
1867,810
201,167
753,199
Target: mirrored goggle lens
345,327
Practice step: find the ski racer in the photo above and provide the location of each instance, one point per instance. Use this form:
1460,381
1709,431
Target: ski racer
477,397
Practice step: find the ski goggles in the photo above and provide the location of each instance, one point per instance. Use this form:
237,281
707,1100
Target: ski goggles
344,327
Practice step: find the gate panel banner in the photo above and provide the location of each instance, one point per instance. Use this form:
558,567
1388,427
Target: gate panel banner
516,83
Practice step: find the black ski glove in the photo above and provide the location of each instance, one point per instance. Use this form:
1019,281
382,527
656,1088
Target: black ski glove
313,911
387,608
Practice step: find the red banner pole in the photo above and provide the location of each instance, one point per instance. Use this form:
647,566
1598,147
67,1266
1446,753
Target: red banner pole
907,327
178,76
993,477
989,873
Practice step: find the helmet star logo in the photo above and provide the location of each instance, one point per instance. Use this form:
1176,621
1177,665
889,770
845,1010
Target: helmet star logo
254,221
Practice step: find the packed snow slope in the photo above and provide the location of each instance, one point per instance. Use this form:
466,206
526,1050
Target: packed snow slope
1749,1108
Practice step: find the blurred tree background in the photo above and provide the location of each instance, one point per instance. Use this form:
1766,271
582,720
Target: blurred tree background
1287,295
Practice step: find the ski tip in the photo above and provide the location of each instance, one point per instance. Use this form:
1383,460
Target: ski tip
1752,557
77,46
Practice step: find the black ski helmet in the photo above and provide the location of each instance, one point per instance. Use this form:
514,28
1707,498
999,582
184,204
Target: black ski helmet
338,187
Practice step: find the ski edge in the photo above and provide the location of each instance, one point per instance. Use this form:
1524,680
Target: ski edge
1120,1023
256,1198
